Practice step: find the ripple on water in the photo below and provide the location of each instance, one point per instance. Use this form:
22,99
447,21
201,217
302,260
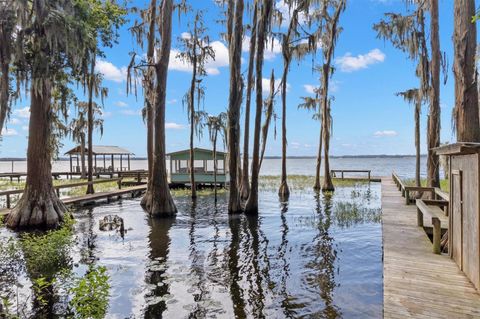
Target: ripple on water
317,256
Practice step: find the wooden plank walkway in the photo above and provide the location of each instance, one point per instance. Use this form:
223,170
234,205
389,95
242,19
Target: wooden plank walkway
104,195
78,200
416,282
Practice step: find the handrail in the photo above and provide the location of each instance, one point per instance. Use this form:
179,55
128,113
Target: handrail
7,193
334,171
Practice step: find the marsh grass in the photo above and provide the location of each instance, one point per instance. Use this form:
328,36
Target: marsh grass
301,182
444,183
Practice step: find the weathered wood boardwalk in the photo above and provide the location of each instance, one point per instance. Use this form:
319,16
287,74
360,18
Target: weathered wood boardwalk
85,199
418,283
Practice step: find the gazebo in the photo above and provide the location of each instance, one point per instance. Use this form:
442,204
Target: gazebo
203,167
100,150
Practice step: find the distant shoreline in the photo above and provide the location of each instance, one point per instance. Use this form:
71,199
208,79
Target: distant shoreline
22,159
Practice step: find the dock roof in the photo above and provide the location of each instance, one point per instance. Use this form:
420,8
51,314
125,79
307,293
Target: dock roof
101,150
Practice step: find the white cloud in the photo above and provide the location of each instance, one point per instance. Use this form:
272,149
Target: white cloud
272,47
9,132
349,63
287,13
266,85
25,128
212,66
309,88
131,112
385,133
110,71
121,104
15,121
172,101
185,35
104,114
23,112
174,126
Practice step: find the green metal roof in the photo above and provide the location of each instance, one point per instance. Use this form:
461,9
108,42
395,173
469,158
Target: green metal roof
199,153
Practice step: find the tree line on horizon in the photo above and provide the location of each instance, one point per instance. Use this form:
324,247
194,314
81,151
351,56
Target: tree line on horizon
47,47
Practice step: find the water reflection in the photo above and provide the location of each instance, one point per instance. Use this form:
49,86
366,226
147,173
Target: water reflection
322,256
313,256
159,243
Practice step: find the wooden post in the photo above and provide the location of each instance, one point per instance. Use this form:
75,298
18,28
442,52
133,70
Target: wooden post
369,176
8,201
171,166
129,162
419,218
95,162
121,162
71,165
113,165
12,166
437,235
78,163
104,164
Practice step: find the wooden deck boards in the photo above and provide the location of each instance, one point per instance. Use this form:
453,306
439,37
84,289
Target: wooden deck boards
418,283
93,197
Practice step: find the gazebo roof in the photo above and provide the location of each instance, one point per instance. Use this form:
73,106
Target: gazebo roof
101,150
197,150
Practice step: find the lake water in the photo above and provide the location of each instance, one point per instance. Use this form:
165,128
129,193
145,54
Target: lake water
317,256
380,166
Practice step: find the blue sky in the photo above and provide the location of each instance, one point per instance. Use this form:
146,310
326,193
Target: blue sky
367,116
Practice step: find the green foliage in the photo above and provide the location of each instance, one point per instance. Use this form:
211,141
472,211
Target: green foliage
46,254
348,214
42,287
91,294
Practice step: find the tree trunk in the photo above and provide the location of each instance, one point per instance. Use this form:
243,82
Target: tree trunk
252,202
433,164
192,123
268,118
39,206
149,89
82,154
234,103
417,142
317,186
4,94
464,68
284,191
5,56
326,125
158,201
215,164
245,186
90,189
327,178
326,117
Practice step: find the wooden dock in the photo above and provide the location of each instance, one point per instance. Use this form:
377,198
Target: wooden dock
91,198
418,283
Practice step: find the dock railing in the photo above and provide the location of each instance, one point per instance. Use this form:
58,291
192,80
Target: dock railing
9,193
342,172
